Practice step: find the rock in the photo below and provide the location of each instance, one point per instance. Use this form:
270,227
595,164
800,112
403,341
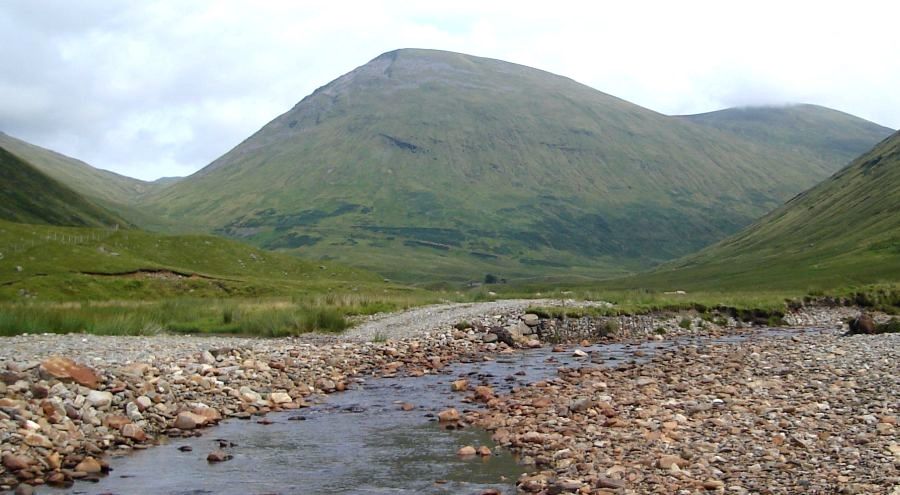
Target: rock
581,405
89,465
667,461
485,451
207,358
507,336
406,406
459,385
11,377
133,432
98,399
218,456
484,393
604,482
116,421
533,437
14,462
468,450
531,319
579,353
188,421
862,324
24,489
36,440
247,394
489,338
64,369
208,414
143,402
325,384
713,485
533,344
280,398
448,415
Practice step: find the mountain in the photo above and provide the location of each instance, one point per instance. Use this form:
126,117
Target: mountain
29,196
844,231
427,165
108,189
821,135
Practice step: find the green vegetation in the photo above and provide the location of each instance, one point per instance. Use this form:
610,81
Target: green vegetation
425,165
841,233
27,195
267,318
84,264
109,190
891,326
819,134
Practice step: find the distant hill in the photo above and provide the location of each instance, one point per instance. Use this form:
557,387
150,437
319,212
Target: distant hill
27,195
819,134
110,190
426,165
844,231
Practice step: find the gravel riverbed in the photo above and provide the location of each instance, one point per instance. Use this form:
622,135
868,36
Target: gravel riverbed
734,416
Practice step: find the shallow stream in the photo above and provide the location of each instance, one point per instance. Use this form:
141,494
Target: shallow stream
361,441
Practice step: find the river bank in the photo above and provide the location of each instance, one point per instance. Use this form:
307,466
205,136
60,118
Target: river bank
66,400
815,413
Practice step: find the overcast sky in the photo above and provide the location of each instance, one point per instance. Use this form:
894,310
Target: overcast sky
161,88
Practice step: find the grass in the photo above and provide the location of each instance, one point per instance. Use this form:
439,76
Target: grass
845,231
257,317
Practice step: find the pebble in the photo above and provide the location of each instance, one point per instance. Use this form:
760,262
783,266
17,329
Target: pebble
796,414
85,393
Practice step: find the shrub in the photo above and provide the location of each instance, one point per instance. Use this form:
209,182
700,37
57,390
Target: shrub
685,323
609,328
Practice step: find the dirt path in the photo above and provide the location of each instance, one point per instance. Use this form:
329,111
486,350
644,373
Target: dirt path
417,321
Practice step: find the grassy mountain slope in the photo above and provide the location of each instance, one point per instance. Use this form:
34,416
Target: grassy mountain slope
819,134
424,164
110,190
29,196
844,231
59,263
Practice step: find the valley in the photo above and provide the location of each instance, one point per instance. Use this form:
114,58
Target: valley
444,273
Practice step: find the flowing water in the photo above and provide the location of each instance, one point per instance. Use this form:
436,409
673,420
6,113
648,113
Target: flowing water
360,441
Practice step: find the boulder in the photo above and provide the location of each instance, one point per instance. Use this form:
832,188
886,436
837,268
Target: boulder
484,393
89,465
448,415
280,398
459,385
468,450
98,399
531,319
862,324
133,432
187,420
14,462
64,369
218,456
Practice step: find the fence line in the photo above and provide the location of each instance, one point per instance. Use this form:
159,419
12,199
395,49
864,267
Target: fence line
53,236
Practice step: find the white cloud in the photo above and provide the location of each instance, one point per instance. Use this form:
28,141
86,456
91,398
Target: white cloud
162,88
